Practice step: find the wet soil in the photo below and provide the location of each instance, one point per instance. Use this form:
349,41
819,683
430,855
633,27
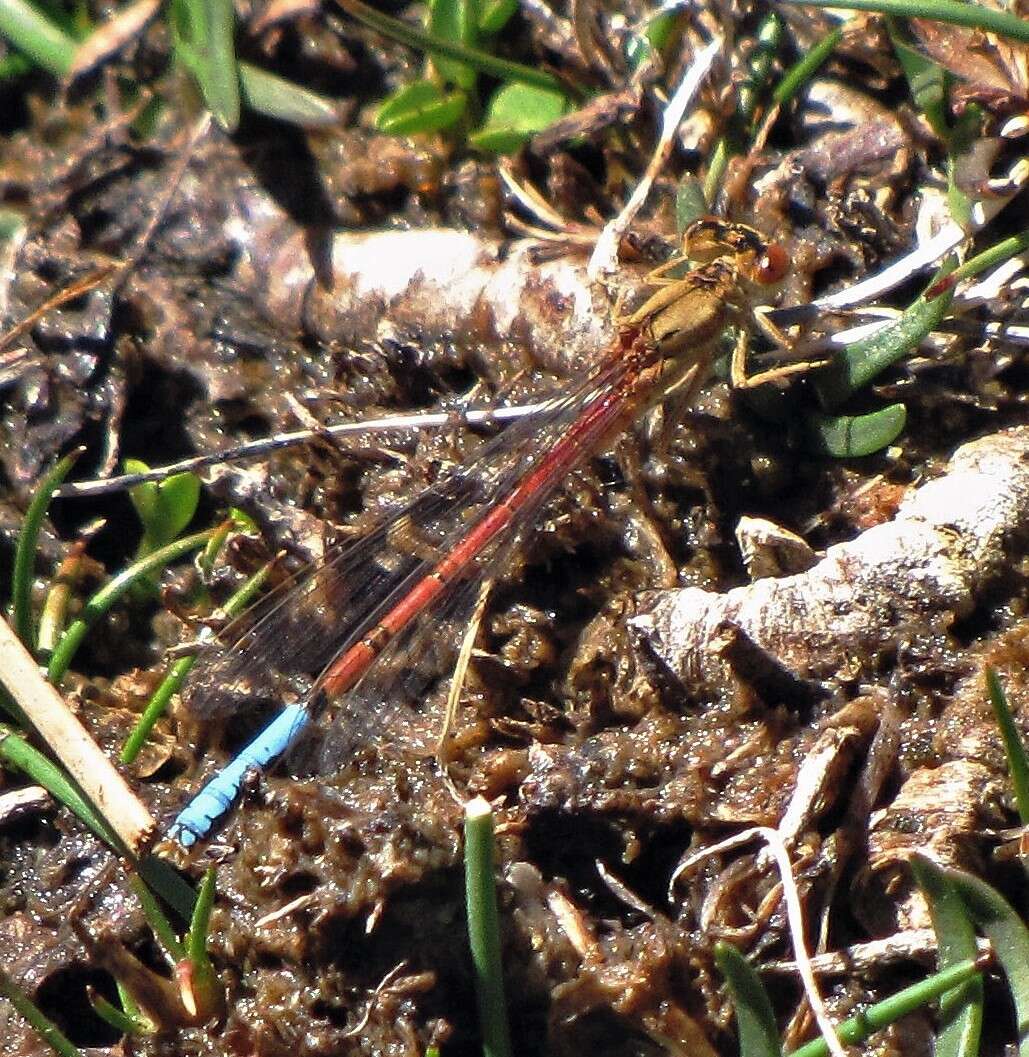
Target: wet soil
339,923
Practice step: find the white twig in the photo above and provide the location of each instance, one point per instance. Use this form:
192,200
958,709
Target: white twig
464,657
605,255
949,237
69,741
794,914
267,445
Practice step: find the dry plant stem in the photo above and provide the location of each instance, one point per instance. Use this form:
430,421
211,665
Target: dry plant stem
605,255
68,740
464,657
69,293
948,540
910,945
112,36
794,914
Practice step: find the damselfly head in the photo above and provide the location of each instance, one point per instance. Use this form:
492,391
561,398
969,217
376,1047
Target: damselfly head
757,260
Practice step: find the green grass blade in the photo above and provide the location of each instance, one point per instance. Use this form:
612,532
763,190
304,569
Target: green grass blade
196,943
47,1030
274,96
493,65
1002,926
25,553
804,69
18,753
882,1014
201,993
159,924
110,593
748,95
155,708
863,359
484,928
203,32
855,436
755,1018
115,1017
172,682
955,12
36,36
1014,749
993,256
961,1010
162,879
926,79
456,21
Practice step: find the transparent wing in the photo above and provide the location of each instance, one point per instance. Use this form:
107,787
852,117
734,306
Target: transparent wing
275,653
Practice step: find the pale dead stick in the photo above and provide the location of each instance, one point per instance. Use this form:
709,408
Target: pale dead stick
794,914
71,743
267,445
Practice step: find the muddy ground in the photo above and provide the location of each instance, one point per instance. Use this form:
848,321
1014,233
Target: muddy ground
339,923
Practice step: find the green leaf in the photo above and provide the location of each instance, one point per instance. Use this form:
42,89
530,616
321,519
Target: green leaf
203,34
1004,928
457,22
516,112
269,94
926,79
961,1010
1014,749
420,107
863,359
494,14
166,507
690,203
854,436
654,38
755,1019
36,36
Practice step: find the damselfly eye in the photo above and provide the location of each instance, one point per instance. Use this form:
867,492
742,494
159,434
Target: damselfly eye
773,264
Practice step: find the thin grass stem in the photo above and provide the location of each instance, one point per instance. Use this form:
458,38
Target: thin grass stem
494,66
172,682
47,1030
857,1029
102,601
484,928
975,16
28,541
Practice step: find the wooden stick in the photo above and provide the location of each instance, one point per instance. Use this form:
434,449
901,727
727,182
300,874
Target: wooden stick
70,743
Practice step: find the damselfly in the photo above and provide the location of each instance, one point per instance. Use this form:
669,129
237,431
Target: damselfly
357,622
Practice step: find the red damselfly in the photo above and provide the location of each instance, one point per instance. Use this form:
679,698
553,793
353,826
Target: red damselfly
360,622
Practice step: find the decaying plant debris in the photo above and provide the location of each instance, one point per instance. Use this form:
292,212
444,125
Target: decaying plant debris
640,688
